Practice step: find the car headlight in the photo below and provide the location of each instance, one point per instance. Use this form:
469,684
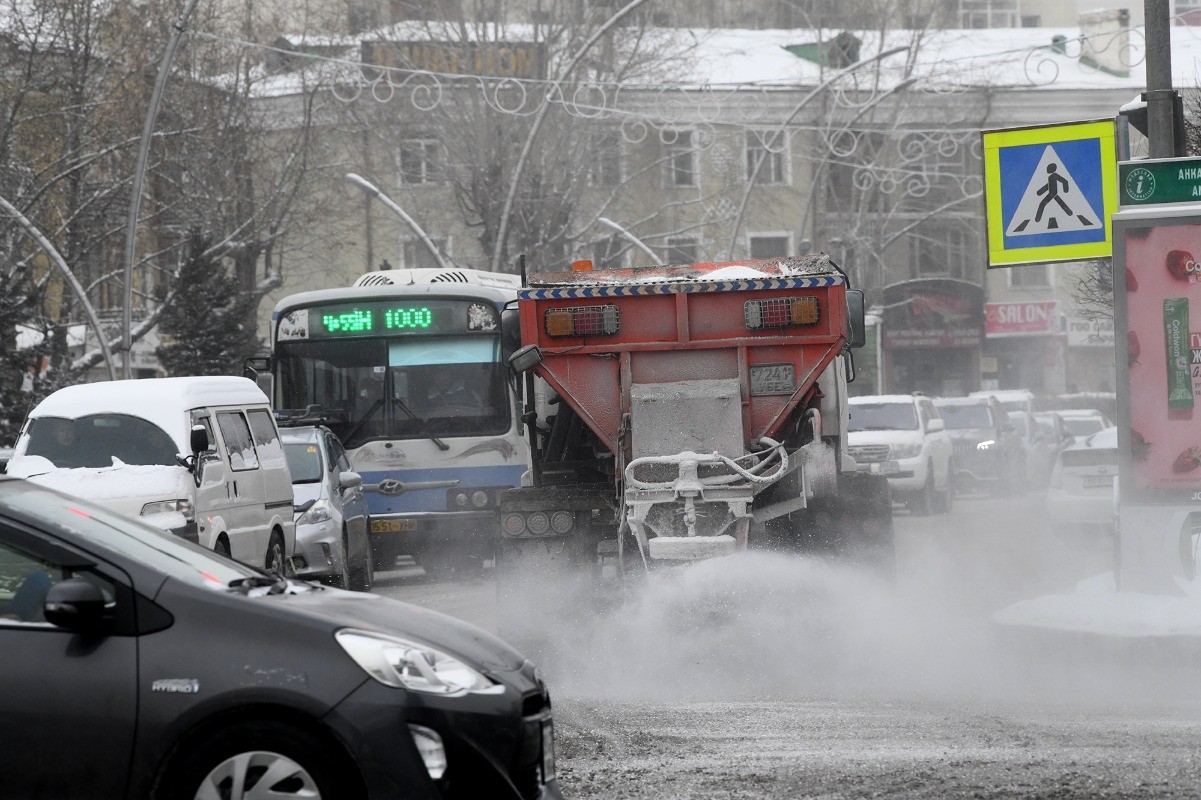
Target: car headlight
318,512
987,444
167,506
911,450
404,664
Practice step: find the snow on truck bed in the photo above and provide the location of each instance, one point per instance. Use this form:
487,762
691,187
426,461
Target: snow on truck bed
802,266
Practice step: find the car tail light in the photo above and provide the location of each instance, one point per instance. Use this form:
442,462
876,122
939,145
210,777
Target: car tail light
582,321
781,312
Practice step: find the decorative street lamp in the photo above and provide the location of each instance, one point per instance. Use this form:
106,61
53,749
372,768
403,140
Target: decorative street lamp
372,191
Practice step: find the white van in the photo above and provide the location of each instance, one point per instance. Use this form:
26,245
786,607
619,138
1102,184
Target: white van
200,457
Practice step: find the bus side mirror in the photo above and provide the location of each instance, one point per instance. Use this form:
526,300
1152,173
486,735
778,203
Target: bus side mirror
258,369
525,359
856,327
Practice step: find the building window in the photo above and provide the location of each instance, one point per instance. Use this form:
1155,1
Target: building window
989,14
680,250
604,158
419,159
417,256
940,251
1032,276
772,170
681,158
770,246
1188,12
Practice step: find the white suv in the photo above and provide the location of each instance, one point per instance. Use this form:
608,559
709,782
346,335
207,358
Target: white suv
902,436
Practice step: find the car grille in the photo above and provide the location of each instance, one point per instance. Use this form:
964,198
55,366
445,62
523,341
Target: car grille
527,775
964,449
869,453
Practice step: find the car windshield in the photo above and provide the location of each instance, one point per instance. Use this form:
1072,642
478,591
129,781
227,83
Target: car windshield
883,417
156,549
304,461
99,440
1082,426
1045,425
965,416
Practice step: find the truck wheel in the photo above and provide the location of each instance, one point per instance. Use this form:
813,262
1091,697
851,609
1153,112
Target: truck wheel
866,505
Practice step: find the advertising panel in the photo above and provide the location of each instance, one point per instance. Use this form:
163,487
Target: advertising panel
933,313
1158,294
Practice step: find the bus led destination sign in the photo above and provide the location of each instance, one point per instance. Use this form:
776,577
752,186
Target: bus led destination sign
383,318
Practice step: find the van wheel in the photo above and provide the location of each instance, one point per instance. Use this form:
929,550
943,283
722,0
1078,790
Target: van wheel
222,547
276,559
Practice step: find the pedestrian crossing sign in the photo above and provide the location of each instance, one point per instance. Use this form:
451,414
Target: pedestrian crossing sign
1050,192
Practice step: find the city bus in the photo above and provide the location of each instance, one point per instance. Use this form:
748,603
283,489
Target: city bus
409,369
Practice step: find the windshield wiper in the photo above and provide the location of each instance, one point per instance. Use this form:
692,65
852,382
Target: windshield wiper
376,406
277,583
425,428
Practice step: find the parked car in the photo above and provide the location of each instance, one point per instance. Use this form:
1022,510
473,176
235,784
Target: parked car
986,448
1082,484
1038,446
1010,399
198,456
153,668
1084,422
331,512
903,437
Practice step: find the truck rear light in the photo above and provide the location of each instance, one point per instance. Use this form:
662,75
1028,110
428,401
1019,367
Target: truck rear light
562,521
513,525
538,523
781,312
582,321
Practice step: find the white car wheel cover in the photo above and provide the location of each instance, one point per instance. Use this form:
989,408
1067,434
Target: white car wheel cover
254,776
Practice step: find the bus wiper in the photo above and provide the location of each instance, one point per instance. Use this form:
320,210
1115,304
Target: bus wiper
425,428
376,406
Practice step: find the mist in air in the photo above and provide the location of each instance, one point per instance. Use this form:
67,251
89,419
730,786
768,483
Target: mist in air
761,625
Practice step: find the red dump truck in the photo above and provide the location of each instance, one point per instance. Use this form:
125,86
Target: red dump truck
682,412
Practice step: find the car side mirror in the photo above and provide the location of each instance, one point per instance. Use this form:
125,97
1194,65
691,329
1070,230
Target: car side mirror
349,480
936,425
198,439
75,604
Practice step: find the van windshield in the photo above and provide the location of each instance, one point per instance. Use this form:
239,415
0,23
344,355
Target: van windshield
99,440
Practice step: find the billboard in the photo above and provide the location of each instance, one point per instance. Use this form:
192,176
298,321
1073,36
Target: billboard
1158,297
1025,318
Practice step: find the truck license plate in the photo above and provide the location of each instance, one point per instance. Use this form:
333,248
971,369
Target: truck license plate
393,525
1097,481
772,379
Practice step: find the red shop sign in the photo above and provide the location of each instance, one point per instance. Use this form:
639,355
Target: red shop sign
1028,318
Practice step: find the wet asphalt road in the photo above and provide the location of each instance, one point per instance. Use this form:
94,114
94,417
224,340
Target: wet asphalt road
785,677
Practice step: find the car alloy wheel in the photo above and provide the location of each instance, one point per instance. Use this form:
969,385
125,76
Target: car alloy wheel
257,774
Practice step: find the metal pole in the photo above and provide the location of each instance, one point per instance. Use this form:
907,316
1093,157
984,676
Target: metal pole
58,261
370,188
1161,99
502,231
634,240
139,176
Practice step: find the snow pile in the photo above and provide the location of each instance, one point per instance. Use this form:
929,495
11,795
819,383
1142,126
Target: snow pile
1096,607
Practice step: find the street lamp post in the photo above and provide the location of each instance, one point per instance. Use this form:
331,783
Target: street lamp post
372,191
634,240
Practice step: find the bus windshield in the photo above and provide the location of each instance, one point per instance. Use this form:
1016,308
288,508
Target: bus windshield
398,388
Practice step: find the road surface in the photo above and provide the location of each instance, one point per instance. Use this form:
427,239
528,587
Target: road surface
773,676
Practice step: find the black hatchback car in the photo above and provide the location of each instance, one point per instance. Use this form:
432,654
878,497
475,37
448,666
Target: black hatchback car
136,664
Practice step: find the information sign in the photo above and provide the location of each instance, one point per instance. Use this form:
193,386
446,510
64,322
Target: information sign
1154,182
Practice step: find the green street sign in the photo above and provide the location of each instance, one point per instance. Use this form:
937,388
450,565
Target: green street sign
1159,181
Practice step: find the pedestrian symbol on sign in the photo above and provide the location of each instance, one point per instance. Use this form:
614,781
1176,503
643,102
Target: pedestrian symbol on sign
1052,201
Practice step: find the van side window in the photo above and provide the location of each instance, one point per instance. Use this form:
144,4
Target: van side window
238,443
266,437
